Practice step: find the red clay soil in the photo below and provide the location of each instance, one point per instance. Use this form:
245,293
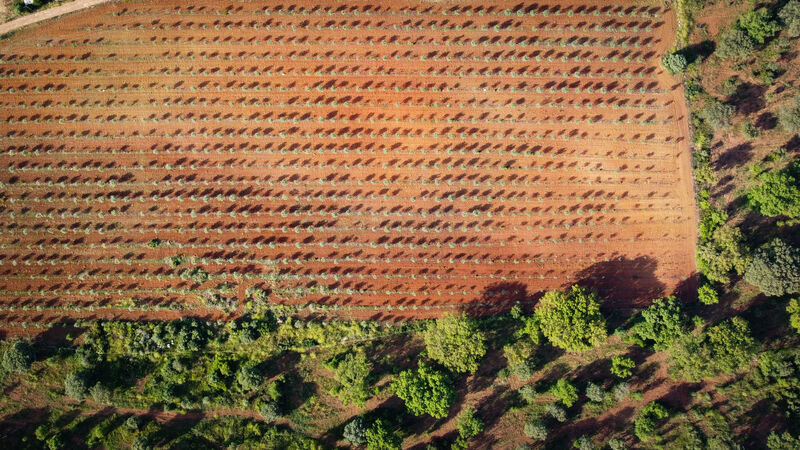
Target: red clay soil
407,155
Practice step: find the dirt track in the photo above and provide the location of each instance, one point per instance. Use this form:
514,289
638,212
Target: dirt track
394,157
47,14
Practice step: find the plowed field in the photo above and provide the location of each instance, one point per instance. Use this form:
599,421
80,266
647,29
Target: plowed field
407,157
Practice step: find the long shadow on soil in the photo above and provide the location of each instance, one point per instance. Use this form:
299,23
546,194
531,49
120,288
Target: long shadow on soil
630,281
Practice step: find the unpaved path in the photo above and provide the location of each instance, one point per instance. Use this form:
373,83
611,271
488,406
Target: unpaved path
36,17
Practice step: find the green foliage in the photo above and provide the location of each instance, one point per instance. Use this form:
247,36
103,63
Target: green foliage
270,411
617,444
749,130
520,358
455,342
237,433
790,15
789,115
355,432
717,114
536,430
793,309
352,375
556,412
76,386
572,320
724,253
783,441
469,424
647,420
734,44
759,25
710,219
528,393
777,193
100,393
707,295
18,357
380,437
249,377
775,269
778,376
767,73
425,391
565,392
583,443
661,324
674,62
724,348
622,366
595,393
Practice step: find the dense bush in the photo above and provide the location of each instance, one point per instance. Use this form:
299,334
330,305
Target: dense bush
249,377
674,63
425,391
759,25
270,411
793,309
790,15
707,295
777,193
565,392
717,114
556,412
724,253
661,324
595,393
775,269
380,437
352,374
735,44
789,115
583,443
572,320
647,420
455,342
724,348
783,441
355,432
536,430
100,393
18,357
622,366
76,386
469,424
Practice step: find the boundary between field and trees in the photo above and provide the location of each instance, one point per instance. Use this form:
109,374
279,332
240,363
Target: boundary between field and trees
39,16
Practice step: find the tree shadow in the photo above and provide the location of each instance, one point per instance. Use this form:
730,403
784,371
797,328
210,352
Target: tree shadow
735,156
748,98
623,280
699,51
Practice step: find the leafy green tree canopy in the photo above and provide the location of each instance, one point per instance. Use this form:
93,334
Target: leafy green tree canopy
647,420
469,424
734,44
380,437
425,391
790,15
775,269
622,366
352,374
789,115
572,320
674,62
18,357
759,24
455,342
717,114
662,323
777,193
724,253
565,392
724,348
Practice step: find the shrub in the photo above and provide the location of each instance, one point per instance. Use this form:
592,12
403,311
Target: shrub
723,253
18,357
759,25
789,115
352,374
617,444
707,295
455,342
783,441
777,193
661,323
583,443
469,424
790,15
572,320
595,393
674,63
734,44
556,412
793,309
749,130
355,432
528,393
425,391
717,114
724,348
535,430
622,366
270,411
775,269
767,73
75,385
621,391
379,437
565,392
647,420
100,393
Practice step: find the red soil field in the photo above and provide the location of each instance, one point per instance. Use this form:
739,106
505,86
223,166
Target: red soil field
395,158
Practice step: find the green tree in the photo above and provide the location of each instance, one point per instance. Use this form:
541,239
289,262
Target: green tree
100,393
759,24
536,430
622,366
583,442
380,437
565,392
793,309
775,269
469,424
724,348
572,320
724,253
717,114
270,411
661,323
355,432
18,357
734,44
776,193
425,391
76,386
789,115
647,420
353,374
783,441
674,63
249,377
790,15
455,342
707,295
